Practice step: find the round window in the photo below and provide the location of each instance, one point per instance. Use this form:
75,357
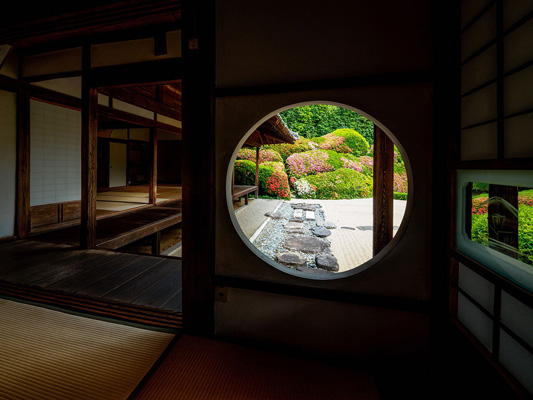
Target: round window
303,187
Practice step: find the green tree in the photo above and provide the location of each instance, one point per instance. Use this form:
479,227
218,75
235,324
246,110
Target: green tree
319,119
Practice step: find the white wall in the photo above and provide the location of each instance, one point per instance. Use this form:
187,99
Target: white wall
55,163
8,162
117,164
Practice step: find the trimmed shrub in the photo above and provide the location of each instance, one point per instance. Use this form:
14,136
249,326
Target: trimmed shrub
277,166
277,185
264,155
304,189
308,163
399,196
352,140
333,142
343,183
285,150
272,181
400,182
367,163
244,172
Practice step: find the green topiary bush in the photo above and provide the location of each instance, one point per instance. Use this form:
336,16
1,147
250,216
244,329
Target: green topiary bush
353,140
265,155
343,183
273,181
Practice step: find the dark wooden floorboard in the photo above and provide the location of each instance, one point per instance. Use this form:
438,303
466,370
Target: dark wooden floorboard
160,292
131,289
174,303
84,278
115,279
62,272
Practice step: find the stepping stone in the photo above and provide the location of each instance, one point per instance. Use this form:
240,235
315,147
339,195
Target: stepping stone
298,214
320,231
294,227
306,244
348,227
276,215
314,271
327,224
365,228
310,215
304,206
292,259
327,261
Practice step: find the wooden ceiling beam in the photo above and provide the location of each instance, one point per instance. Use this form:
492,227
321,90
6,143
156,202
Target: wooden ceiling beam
86,22
131,96
119,115
157,72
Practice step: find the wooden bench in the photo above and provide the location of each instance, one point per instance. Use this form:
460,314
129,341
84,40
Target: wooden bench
244,190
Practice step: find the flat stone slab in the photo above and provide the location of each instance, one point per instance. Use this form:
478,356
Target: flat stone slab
298,214
292,259
294,227
365,228
327,261
310,215
348,227
306,244
320,231
276,215
305,206
327,224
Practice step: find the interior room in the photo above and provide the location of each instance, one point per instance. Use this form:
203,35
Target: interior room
119,246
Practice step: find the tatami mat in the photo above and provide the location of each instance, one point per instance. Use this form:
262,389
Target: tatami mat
48,354
204,369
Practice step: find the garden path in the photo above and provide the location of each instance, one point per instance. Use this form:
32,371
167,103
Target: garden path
353,247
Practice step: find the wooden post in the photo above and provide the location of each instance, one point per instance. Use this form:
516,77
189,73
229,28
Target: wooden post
23,223
198,55
153,167
156,243
256,173
468,210
383,189
89,150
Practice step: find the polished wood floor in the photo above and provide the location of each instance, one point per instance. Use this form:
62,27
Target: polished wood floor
119,230
142,287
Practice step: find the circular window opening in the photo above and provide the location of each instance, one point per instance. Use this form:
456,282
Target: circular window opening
304,184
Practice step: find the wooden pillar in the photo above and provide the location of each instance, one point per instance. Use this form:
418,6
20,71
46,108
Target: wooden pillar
383,189
89,149
468,210
23,223
153,167
198,55
156,243
256,172
503,223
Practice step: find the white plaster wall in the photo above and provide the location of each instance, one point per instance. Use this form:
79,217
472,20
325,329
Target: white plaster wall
8,162
55,148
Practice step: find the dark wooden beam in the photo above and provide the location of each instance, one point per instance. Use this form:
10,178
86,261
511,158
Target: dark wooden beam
129,95
157,72
383,189
198,166
156,243
22,222
89,149
47,77
152,197
137,120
